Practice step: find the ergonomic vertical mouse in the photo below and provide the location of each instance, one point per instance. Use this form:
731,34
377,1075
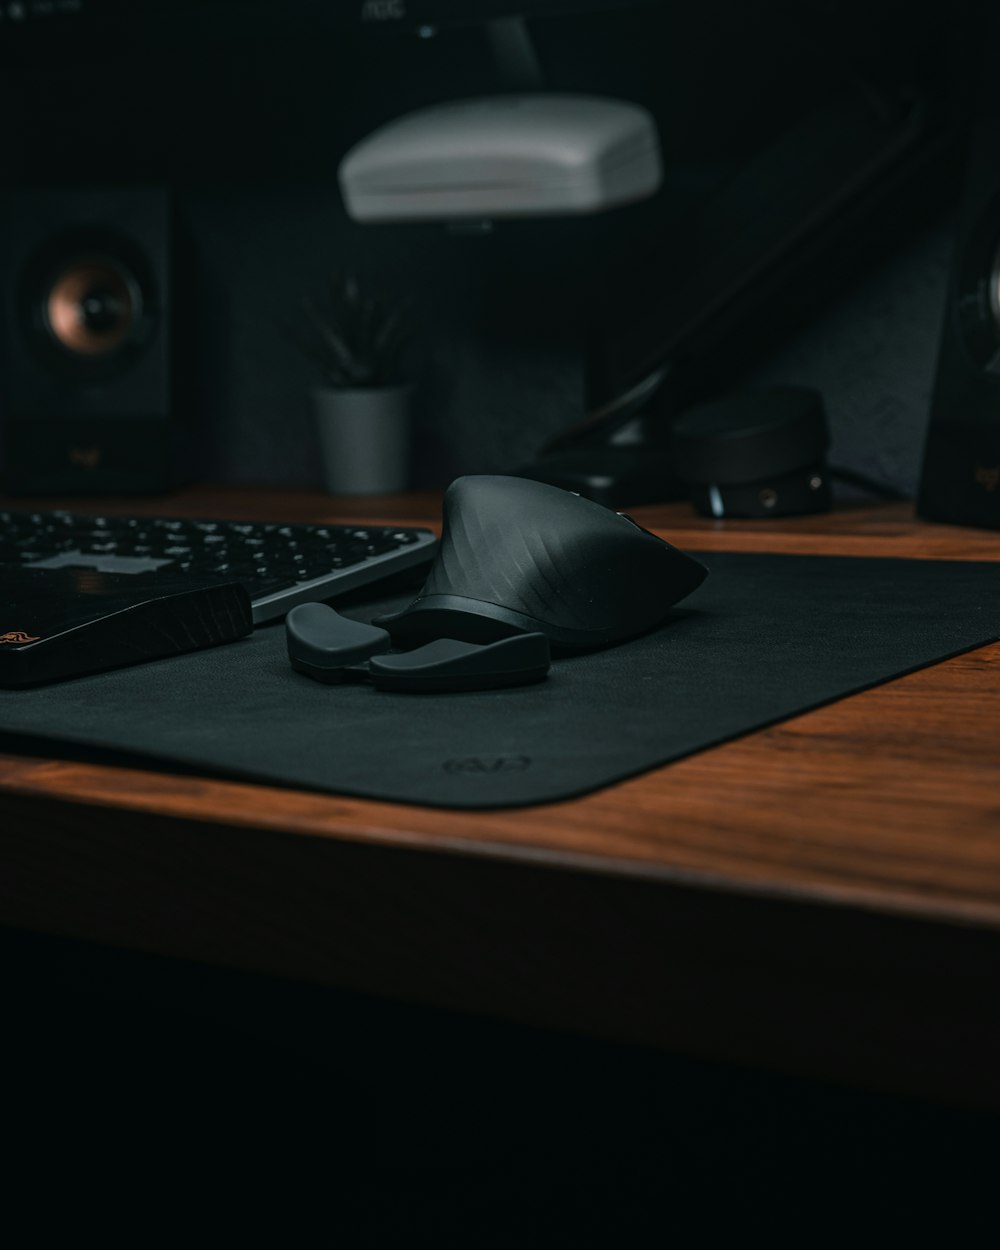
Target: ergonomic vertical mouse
518,555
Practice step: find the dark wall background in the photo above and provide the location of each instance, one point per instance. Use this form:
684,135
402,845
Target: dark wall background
247,126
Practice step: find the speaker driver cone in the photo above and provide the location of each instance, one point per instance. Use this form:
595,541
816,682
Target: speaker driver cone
92,307
88,304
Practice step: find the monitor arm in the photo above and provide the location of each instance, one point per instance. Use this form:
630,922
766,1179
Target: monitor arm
771,243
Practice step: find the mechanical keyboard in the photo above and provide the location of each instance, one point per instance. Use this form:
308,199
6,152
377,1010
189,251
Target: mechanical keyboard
80,593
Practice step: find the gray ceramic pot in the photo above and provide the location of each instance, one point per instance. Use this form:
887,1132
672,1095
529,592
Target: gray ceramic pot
364,439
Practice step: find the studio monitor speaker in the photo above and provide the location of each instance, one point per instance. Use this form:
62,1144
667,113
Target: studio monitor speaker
88,350
960,481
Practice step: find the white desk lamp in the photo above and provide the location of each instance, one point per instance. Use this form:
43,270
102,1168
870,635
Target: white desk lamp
518,155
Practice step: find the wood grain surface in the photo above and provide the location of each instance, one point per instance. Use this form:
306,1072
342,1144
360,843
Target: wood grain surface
841,866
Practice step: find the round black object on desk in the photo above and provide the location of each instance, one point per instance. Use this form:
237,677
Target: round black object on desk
755,454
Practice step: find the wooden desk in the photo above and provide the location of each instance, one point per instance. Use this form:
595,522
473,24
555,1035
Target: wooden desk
821,897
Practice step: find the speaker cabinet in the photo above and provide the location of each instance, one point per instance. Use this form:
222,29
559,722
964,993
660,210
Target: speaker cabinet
88,353
960,481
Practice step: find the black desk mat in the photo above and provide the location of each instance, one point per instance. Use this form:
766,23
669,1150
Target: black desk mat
766,637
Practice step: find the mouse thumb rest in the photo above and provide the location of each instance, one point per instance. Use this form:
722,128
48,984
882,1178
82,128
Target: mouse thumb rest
331,648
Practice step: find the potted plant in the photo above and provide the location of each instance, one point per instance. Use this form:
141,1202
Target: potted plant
363,406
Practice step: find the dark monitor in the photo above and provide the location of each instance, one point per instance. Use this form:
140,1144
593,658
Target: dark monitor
415,13
373,15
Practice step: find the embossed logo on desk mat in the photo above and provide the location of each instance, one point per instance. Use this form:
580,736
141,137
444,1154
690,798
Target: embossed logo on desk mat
766,637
